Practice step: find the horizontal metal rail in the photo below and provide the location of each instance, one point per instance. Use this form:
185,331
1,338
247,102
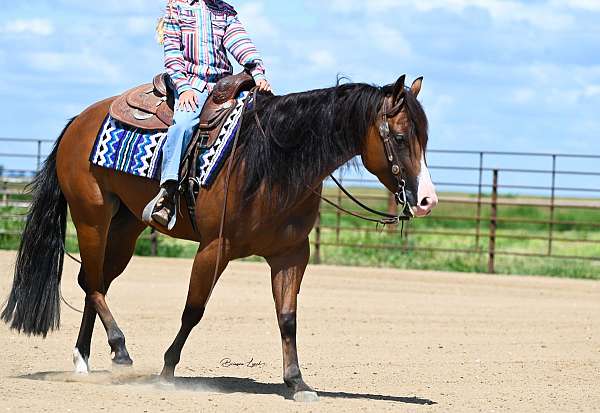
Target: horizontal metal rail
412,231
512,170
505,153
484,201
28,140
483,216
451,250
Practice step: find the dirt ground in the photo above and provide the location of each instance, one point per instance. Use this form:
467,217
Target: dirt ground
369,340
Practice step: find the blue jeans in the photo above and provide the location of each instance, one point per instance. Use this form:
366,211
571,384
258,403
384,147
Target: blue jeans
178,137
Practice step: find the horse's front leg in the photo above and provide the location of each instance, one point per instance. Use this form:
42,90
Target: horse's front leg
287,271
202,281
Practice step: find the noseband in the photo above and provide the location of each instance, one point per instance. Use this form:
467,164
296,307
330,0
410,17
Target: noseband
390,142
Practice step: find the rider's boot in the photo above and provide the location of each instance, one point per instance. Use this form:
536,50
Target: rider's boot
165,207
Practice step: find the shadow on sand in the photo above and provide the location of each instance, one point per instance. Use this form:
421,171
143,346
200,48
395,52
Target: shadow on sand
223,385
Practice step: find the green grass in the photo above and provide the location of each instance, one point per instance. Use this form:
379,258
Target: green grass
386,248
409,252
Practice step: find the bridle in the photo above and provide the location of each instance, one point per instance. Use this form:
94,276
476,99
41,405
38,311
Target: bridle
406,213
390,142
392,156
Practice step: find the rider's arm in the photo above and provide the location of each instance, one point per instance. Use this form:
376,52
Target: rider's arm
174,60
238,43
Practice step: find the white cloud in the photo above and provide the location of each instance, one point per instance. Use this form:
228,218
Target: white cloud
540,15
549,16
112,6
84,65
439,106
591,5
389,40
38,27
559,84
254,19
523,95
141,25
321,59
591,90
49,61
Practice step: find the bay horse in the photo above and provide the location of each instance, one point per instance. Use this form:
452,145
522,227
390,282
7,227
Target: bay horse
272,206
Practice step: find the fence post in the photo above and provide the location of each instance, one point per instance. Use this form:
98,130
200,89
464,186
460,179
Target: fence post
5,192
493,225
479,194
392,209
39,154
317,255
552,204
153,242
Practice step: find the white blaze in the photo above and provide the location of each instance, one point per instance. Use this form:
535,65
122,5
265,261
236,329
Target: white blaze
426,191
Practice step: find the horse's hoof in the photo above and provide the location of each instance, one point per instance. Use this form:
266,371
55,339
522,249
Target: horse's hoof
123,361
306,397
81,363
165,383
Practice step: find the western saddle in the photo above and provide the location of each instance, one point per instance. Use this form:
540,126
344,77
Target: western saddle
150,106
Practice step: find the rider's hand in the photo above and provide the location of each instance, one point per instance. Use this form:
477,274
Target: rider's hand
264,86
188,101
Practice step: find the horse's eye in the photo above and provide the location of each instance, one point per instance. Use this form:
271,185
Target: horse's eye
400,137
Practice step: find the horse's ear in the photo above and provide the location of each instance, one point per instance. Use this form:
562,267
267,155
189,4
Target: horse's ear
398,92
416,86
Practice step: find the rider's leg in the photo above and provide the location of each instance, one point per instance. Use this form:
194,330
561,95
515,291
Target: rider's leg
178,137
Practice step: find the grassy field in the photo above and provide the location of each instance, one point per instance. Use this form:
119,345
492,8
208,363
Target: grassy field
367,245
408,251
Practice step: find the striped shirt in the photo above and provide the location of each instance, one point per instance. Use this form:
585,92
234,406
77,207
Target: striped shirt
197,36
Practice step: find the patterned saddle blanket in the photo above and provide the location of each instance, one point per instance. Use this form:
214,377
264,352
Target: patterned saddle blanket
139,152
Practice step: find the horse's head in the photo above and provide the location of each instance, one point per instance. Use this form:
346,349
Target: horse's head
395,147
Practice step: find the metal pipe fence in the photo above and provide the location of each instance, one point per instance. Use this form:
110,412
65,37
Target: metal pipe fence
473,217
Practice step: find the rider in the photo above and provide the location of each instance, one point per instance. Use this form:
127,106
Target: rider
197,35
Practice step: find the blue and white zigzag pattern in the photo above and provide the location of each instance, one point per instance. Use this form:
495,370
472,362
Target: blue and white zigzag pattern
138,152
128,150
212,160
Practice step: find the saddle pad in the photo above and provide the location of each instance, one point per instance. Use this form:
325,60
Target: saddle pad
126,149
139,152
212,159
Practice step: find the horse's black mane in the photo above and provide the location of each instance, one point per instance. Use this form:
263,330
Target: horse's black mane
308,133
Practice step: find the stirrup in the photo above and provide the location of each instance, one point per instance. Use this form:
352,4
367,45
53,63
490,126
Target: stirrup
149,209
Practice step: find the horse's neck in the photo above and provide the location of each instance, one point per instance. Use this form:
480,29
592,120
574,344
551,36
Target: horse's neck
335,166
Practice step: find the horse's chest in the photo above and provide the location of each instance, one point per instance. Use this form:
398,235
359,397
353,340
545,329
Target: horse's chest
271,238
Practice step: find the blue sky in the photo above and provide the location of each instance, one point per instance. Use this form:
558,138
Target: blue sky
499,74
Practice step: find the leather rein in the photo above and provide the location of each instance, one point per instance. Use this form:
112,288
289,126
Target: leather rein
397,170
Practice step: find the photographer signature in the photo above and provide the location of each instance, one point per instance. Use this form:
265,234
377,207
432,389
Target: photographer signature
227,362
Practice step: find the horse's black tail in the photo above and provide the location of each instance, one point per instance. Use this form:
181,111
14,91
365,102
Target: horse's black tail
33,306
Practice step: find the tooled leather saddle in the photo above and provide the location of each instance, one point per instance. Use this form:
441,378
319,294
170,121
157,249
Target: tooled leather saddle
150,107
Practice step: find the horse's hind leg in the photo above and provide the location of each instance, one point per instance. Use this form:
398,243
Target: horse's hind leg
202,280
124,230
287,271
106,246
